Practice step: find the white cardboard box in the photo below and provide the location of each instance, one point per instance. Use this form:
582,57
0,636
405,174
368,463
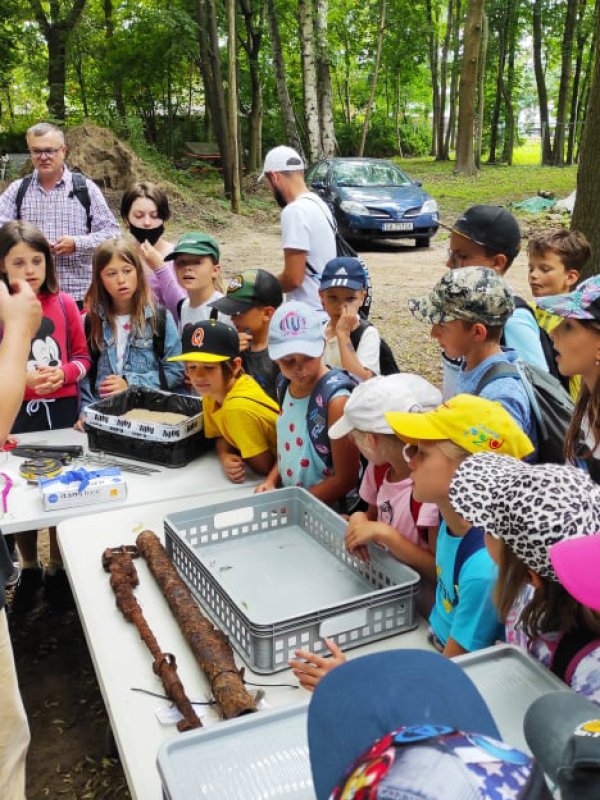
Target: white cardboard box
104,489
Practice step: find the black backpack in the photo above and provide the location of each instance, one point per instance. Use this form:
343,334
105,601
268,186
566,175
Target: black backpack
158,345
546,343
551,405
80,192
387,362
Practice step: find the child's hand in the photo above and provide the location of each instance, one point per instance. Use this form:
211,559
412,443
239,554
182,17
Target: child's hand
312,668
151,256
265,486
245,340
349,319
234,467
49,380
360,531
112,384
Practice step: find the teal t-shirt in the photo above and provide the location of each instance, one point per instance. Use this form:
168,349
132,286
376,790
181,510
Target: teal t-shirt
472,622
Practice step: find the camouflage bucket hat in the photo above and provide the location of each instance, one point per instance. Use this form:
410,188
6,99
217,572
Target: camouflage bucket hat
471,294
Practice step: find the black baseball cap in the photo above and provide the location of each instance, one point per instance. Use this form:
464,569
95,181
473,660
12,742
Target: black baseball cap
251,288
490,226
209,342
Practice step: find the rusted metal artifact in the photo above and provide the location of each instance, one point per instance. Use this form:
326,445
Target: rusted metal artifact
118,561
210,645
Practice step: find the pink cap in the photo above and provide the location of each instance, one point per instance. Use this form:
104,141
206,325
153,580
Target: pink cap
577,564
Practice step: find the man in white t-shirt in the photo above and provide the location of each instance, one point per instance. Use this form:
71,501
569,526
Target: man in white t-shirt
307,226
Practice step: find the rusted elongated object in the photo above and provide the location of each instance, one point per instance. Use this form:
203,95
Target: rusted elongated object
209,645
118,562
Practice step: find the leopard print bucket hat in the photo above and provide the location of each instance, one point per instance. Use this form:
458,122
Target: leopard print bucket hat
529,507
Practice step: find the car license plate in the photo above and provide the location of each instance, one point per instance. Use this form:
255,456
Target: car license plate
397,226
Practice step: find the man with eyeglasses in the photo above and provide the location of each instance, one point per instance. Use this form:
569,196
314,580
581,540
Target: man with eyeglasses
55,200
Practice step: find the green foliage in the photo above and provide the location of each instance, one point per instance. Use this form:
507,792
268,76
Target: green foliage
382,138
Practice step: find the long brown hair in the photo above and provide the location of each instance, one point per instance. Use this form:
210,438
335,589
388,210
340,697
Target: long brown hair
98,298
13,233
587,405
550,610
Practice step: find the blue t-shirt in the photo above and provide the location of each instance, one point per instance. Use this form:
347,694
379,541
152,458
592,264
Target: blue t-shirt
509,391
472,622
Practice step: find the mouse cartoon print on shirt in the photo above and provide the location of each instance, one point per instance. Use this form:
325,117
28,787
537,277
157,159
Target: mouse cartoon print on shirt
45,350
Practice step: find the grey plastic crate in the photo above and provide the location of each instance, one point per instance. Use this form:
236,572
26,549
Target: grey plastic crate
273,572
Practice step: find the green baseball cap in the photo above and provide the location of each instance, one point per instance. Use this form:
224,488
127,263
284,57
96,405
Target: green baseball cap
195,243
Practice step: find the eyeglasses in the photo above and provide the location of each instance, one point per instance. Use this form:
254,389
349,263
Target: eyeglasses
410,452
45,151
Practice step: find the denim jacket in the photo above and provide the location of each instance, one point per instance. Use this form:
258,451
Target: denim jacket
140,363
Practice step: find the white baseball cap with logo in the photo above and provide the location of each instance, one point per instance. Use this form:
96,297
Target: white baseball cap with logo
368,403
282,159
296,328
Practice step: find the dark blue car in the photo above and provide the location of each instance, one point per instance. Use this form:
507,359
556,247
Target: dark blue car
374,199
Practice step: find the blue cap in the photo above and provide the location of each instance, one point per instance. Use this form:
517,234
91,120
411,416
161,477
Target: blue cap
296,328
364,699
345,272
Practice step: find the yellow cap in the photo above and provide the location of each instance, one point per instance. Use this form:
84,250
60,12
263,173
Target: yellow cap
473,423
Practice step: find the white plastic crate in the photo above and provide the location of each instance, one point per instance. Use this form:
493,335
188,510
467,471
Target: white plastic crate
273,572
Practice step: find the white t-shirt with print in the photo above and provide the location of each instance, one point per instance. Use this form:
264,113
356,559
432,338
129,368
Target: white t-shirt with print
306,225
191,315
123,327
367,351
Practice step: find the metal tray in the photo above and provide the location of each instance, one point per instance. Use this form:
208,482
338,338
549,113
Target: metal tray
266,754
272,570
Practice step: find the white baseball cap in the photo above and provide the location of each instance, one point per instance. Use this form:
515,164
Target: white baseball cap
296,328
368,403
282,159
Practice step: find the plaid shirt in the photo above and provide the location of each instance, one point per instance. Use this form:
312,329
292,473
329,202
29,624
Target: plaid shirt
59,213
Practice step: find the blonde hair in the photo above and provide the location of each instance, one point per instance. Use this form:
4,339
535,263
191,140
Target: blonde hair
453,451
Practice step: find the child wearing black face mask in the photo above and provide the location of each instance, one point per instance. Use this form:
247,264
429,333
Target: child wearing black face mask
145,209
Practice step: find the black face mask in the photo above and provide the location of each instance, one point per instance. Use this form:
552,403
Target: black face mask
151,235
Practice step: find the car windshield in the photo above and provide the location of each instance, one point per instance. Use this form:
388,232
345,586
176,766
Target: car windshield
367,174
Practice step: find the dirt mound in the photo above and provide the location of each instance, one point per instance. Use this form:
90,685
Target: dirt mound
107,160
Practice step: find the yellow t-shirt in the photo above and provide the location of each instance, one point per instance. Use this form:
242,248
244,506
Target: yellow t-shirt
548,322
246,419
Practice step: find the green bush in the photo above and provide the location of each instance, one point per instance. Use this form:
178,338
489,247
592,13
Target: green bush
381,138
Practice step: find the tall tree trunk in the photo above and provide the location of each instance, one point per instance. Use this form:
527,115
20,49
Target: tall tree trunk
283,95
347,71
451,128
465,162
232,108
109,27
371,100
574,112
481,90
397,116
57,30
212,78
328,143
442,153
432,39
496,110
558,152
509,85
587,201
253,14
309,78
585,92
78,63
540,79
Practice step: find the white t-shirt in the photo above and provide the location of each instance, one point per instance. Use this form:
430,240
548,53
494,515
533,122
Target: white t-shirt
306,225
190,315
123,326
367,351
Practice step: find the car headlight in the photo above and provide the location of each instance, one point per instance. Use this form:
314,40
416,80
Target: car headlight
352,207
429,207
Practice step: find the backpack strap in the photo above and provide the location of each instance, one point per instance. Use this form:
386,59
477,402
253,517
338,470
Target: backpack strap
93,351
21,191
357,334
158,345
179,307
571,649
415,508
82,193
281,387
331,383
500,369
470,544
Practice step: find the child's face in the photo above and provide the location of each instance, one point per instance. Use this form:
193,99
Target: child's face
302,371
463,252
119,278
366,443
195,272
22,262
254,320
337,298
431,471
454,338
578,348
207,379
144,214
548,275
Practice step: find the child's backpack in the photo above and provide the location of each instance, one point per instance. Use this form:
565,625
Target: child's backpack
571,649
158,345
546,343
316,418
471,543
387,362
80,192
551,405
